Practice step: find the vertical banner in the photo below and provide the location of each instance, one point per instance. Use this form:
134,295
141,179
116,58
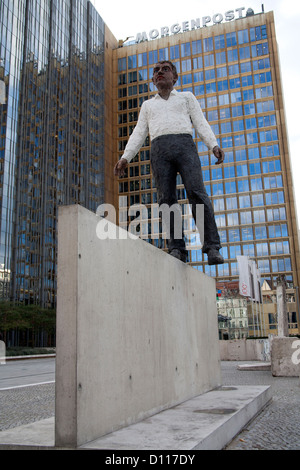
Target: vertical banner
255,280
249,278
249,285
245,284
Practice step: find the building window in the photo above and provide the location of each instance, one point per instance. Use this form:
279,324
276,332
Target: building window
231,39
174,52
245,53
208,45
153,57
132,62
220,42
246,217
185,49
122,64
221,58
197,47
233,235
247,233
209,60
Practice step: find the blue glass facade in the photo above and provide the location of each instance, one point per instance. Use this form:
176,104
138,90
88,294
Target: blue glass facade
52,133
12,28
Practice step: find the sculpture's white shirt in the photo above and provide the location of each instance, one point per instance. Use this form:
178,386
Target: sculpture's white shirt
176,115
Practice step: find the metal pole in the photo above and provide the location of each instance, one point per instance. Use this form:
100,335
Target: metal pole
253,319
282,317
297,303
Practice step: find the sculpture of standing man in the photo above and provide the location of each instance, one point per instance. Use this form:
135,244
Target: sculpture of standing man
168,117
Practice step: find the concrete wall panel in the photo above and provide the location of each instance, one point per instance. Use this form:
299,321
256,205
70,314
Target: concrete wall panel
136,330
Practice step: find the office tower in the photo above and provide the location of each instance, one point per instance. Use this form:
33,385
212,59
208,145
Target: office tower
70,96
52,149
232,66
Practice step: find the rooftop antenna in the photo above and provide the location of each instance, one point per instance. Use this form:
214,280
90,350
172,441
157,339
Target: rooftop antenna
262,8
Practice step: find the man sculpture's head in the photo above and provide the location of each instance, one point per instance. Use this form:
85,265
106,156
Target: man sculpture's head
164,74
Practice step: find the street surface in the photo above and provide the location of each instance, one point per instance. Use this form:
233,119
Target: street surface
21,373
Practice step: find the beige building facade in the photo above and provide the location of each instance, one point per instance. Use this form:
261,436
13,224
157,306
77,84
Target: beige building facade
233,69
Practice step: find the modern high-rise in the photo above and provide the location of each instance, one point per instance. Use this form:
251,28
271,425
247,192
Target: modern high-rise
233,69
72,99
54,66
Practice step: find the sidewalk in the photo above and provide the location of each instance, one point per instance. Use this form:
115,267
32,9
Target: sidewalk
276,427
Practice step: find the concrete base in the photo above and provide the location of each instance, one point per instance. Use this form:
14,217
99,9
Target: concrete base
207,422
285,357
137,329
245,350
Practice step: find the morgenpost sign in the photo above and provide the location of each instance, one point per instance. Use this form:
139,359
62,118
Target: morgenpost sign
193,24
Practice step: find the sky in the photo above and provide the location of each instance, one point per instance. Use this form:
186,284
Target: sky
129,18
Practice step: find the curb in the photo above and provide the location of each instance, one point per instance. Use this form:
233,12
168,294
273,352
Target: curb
35,356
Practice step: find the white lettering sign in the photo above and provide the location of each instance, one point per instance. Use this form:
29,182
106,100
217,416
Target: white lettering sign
296,354
190,25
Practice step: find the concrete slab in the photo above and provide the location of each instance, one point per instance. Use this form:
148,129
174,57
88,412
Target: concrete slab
207,422
31,436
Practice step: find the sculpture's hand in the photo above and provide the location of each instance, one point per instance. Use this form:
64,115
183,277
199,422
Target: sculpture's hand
120,167
219,154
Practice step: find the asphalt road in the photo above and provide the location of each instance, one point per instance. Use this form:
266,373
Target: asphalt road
24,373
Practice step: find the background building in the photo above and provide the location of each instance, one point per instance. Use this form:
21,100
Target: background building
233,69
70,96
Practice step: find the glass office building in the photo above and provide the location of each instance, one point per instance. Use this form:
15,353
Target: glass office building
70,96
233,69
52,58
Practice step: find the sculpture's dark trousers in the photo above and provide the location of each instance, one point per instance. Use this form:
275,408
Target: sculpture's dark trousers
175,153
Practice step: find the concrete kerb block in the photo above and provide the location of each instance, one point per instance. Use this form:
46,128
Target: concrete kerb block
285,356
137,330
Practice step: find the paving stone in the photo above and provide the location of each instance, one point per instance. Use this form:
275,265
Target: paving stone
26,405
277,427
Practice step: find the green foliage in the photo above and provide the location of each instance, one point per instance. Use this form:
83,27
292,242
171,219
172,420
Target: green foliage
22,351
24,317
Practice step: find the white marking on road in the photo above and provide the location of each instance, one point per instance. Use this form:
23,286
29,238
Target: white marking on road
28,385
